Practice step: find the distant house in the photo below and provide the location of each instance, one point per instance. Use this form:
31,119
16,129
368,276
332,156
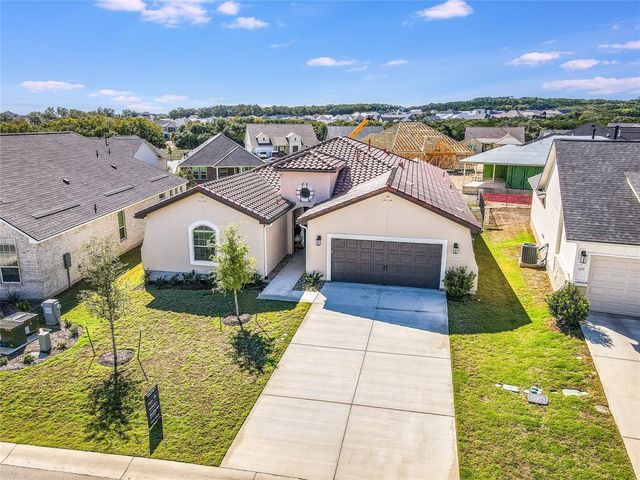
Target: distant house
335,131
417,140
57,192
139,149
168,126
585,213
481,139
218,157
613,131
266,140
508,167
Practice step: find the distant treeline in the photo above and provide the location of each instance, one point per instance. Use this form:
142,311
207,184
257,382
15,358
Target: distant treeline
533,103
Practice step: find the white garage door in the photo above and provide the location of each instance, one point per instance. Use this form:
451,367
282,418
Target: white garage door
614,285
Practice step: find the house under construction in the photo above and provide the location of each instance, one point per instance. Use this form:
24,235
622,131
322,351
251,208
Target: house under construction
417,140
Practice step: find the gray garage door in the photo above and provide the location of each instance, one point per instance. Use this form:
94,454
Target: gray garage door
386,263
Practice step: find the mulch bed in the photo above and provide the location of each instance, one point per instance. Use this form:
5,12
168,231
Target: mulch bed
232,320
299,286
61,340
124,357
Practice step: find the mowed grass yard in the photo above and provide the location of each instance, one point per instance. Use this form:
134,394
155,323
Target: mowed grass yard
505,335
206,392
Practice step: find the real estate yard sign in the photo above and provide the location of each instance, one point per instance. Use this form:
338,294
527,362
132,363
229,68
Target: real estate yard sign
152,404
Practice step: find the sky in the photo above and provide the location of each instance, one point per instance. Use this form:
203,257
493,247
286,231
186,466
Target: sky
156,55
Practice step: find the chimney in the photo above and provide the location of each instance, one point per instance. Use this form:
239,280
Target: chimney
616,132
593,131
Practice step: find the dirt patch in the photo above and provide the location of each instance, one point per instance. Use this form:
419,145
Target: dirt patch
233,320
510,222
63,337
124,357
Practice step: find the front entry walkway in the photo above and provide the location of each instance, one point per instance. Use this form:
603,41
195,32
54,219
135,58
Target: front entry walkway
281,287
364,391
614,344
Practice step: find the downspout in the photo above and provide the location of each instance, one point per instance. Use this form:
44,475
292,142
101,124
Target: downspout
264,236
304,240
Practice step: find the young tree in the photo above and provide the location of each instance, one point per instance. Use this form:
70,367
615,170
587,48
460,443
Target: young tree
105,297
235,269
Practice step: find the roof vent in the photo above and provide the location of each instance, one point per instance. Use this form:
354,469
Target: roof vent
109,150
66,181
96,153
95,208
115,167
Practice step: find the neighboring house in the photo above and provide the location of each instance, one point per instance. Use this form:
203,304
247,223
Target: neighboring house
417,140
168,126
586,211
57,192
508,167
218,157
266,140
139,149
342,131
481,139
614,131
361,214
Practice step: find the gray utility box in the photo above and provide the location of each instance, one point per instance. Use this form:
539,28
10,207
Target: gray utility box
51,310
44,339
15,329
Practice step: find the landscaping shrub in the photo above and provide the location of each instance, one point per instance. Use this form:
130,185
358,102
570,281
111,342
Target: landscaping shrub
568,306
67,324
458,282
28,359
73,331
311,281
62,345
3,360
23,306
13,298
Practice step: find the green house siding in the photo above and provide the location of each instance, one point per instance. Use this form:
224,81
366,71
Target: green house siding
488,173
517,176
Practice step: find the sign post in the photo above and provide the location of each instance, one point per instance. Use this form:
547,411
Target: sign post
152,405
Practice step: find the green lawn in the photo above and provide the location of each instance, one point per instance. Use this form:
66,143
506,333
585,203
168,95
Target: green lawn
505,335
207,386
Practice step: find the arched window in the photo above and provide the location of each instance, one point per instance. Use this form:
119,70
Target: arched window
203,241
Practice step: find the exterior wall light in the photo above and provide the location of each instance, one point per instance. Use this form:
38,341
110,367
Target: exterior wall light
456,248
583,256
318,240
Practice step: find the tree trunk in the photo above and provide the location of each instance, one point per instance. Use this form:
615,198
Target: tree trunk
235,299
115,357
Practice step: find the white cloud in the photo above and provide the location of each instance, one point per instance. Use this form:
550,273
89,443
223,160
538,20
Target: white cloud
126,99
407,23
171,98
286,44
395,63
549,42
361,68
169,13
536,58
615,27
229,8
585,63
39,86
328,62
123,5
597,85
448,9
108,92
247,23
630,45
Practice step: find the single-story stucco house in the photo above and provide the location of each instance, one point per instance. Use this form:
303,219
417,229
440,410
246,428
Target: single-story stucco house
361,214
586,211
57,192
481,139
218,157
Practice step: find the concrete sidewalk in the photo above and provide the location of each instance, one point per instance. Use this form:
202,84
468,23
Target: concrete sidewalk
614,343
364,391
281,287
27,462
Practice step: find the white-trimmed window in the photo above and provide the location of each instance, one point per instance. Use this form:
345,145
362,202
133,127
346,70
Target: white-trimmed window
199,173
122,225
203,243
9,268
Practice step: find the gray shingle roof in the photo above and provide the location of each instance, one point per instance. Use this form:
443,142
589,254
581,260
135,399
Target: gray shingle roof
493,132
273,130
257,193
35,199
598,202
341,131
220,151
129,144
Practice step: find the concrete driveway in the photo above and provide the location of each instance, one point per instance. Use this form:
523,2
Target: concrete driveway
364,391
614,343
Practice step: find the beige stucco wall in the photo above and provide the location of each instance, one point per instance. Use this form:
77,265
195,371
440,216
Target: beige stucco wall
166,247
387,215
321,183
41,266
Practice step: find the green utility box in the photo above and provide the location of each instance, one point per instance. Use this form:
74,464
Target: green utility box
15,329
